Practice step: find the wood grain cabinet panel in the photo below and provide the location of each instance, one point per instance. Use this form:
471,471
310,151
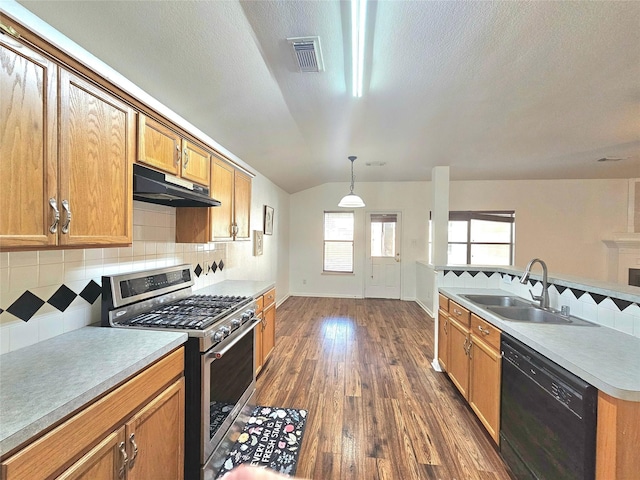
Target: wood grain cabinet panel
443,339
230,221
28,146
67,146
458,362
484,384
163,149
104,462
265,336
97,145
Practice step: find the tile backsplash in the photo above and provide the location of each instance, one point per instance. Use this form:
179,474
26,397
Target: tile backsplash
49,292
610,311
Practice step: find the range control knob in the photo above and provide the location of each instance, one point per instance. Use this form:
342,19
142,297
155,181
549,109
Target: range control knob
235,323
225,331
248,315
218,336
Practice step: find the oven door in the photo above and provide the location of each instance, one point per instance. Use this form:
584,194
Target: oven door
228,381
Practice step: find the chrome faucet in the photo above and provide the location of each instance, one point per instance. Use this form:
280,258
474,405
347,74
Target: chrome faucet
544,297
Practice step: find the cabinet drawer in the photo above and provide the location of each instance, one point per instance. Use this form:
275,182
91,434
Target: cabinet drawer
259,304
461,314
484,330
443,302
269,297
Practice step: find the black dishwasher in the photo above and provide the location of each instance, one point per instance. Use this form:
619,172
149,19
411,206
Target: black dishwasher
548,417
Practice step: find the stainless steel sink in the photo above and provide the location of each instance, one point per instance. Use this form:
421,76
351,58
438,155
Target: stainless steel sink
533,314
497,300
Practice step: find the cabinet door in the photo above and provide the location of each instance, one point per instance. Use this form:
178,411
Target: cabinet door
484,385
196,163
155,437
222,178
28,146
158,146
259,333
242,205
269,334
97,147
458,364
443,339
106,461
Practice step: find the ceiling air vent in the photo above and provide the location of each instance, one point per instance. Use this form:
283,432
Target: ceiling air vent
307,53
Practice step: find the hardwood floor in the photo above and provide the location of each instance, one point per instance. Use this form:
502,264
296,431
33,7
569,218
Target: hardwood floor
377,410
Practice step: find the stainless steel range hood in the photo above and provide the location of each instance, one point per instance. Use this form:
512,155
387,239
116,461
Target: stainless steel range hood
164,189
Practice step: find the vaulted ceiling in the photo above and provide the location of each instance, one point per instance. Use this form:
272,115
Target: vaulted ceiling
495,90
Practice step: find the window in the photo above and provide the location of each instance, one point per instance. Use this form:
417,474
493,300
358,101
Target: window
383,234
481,238
338,242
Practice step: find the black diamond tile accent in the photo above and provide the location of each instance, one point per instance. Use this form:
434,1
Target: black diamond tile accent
214,267
62,298
488,274
447,271
26,306
533,282
577,293
621,304
458,272
91,292
1,310
197,270
220,265
560,288
597,297
473,273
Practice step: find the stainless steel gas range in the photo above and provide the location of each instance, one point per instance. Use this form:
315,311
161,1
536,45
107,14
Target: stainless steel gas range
219,354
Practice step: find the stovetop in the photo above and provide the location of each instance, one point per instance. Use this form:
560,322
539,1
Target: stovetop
196,312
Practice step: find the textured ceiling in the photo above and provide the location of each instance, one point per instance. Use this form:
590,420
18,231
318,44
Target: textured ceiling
495,90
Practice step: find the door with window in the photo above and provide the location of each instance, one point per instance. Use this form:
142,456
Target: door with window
382,277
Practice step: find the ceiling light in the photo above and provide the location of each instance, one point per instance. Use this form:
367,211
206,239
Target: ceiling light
358,23
351,200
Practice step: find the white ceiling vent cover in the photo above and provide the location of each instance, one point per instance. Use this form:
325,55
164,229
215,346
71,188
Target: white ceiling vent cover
307,52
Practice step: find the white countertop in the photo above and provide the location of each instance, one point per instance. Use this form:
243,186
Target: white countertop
43,383
604,357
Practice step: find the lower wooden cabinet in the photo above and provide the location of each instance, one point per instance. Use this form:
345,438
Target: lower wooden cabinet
134,432
265,332
473,361
485,371
458,363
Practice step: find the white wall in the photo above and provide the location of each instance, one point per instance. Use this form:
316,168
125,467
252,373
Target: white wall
561,221
306,234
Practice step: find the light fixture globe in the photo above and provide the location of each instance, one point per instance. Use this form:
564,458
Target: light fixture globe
351,200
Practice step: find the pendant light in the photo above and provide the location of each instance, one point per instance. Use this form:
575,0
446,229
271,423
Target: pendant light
351,200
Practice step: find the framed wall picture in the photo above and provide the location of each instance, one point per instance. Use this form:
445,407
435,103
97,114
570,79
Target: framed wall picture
268,220
257,243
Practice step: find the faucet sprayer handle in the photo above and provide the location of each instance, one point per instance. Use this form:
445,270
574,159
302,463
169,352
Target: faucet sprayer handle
537,298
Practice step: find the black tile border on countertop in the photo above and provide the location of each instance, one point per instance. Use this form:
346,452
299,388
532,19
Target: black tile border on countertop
620,303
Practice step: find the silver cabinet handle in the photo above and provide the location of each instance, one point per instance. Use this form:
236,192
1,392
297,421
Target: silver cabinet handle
56,215
484,331
177,155
132,441
67,208
185,154
125,459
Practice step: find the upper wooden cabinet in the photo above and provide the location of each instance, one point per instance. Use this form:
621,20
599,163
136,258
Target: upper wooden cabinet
66,152
164,149
229,221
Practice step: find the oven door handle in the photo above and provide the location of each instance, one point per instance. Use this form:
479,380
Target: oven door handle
220,353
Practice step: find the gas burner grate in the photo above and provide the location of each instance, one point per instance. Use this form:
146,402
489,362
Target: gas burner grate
196,312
